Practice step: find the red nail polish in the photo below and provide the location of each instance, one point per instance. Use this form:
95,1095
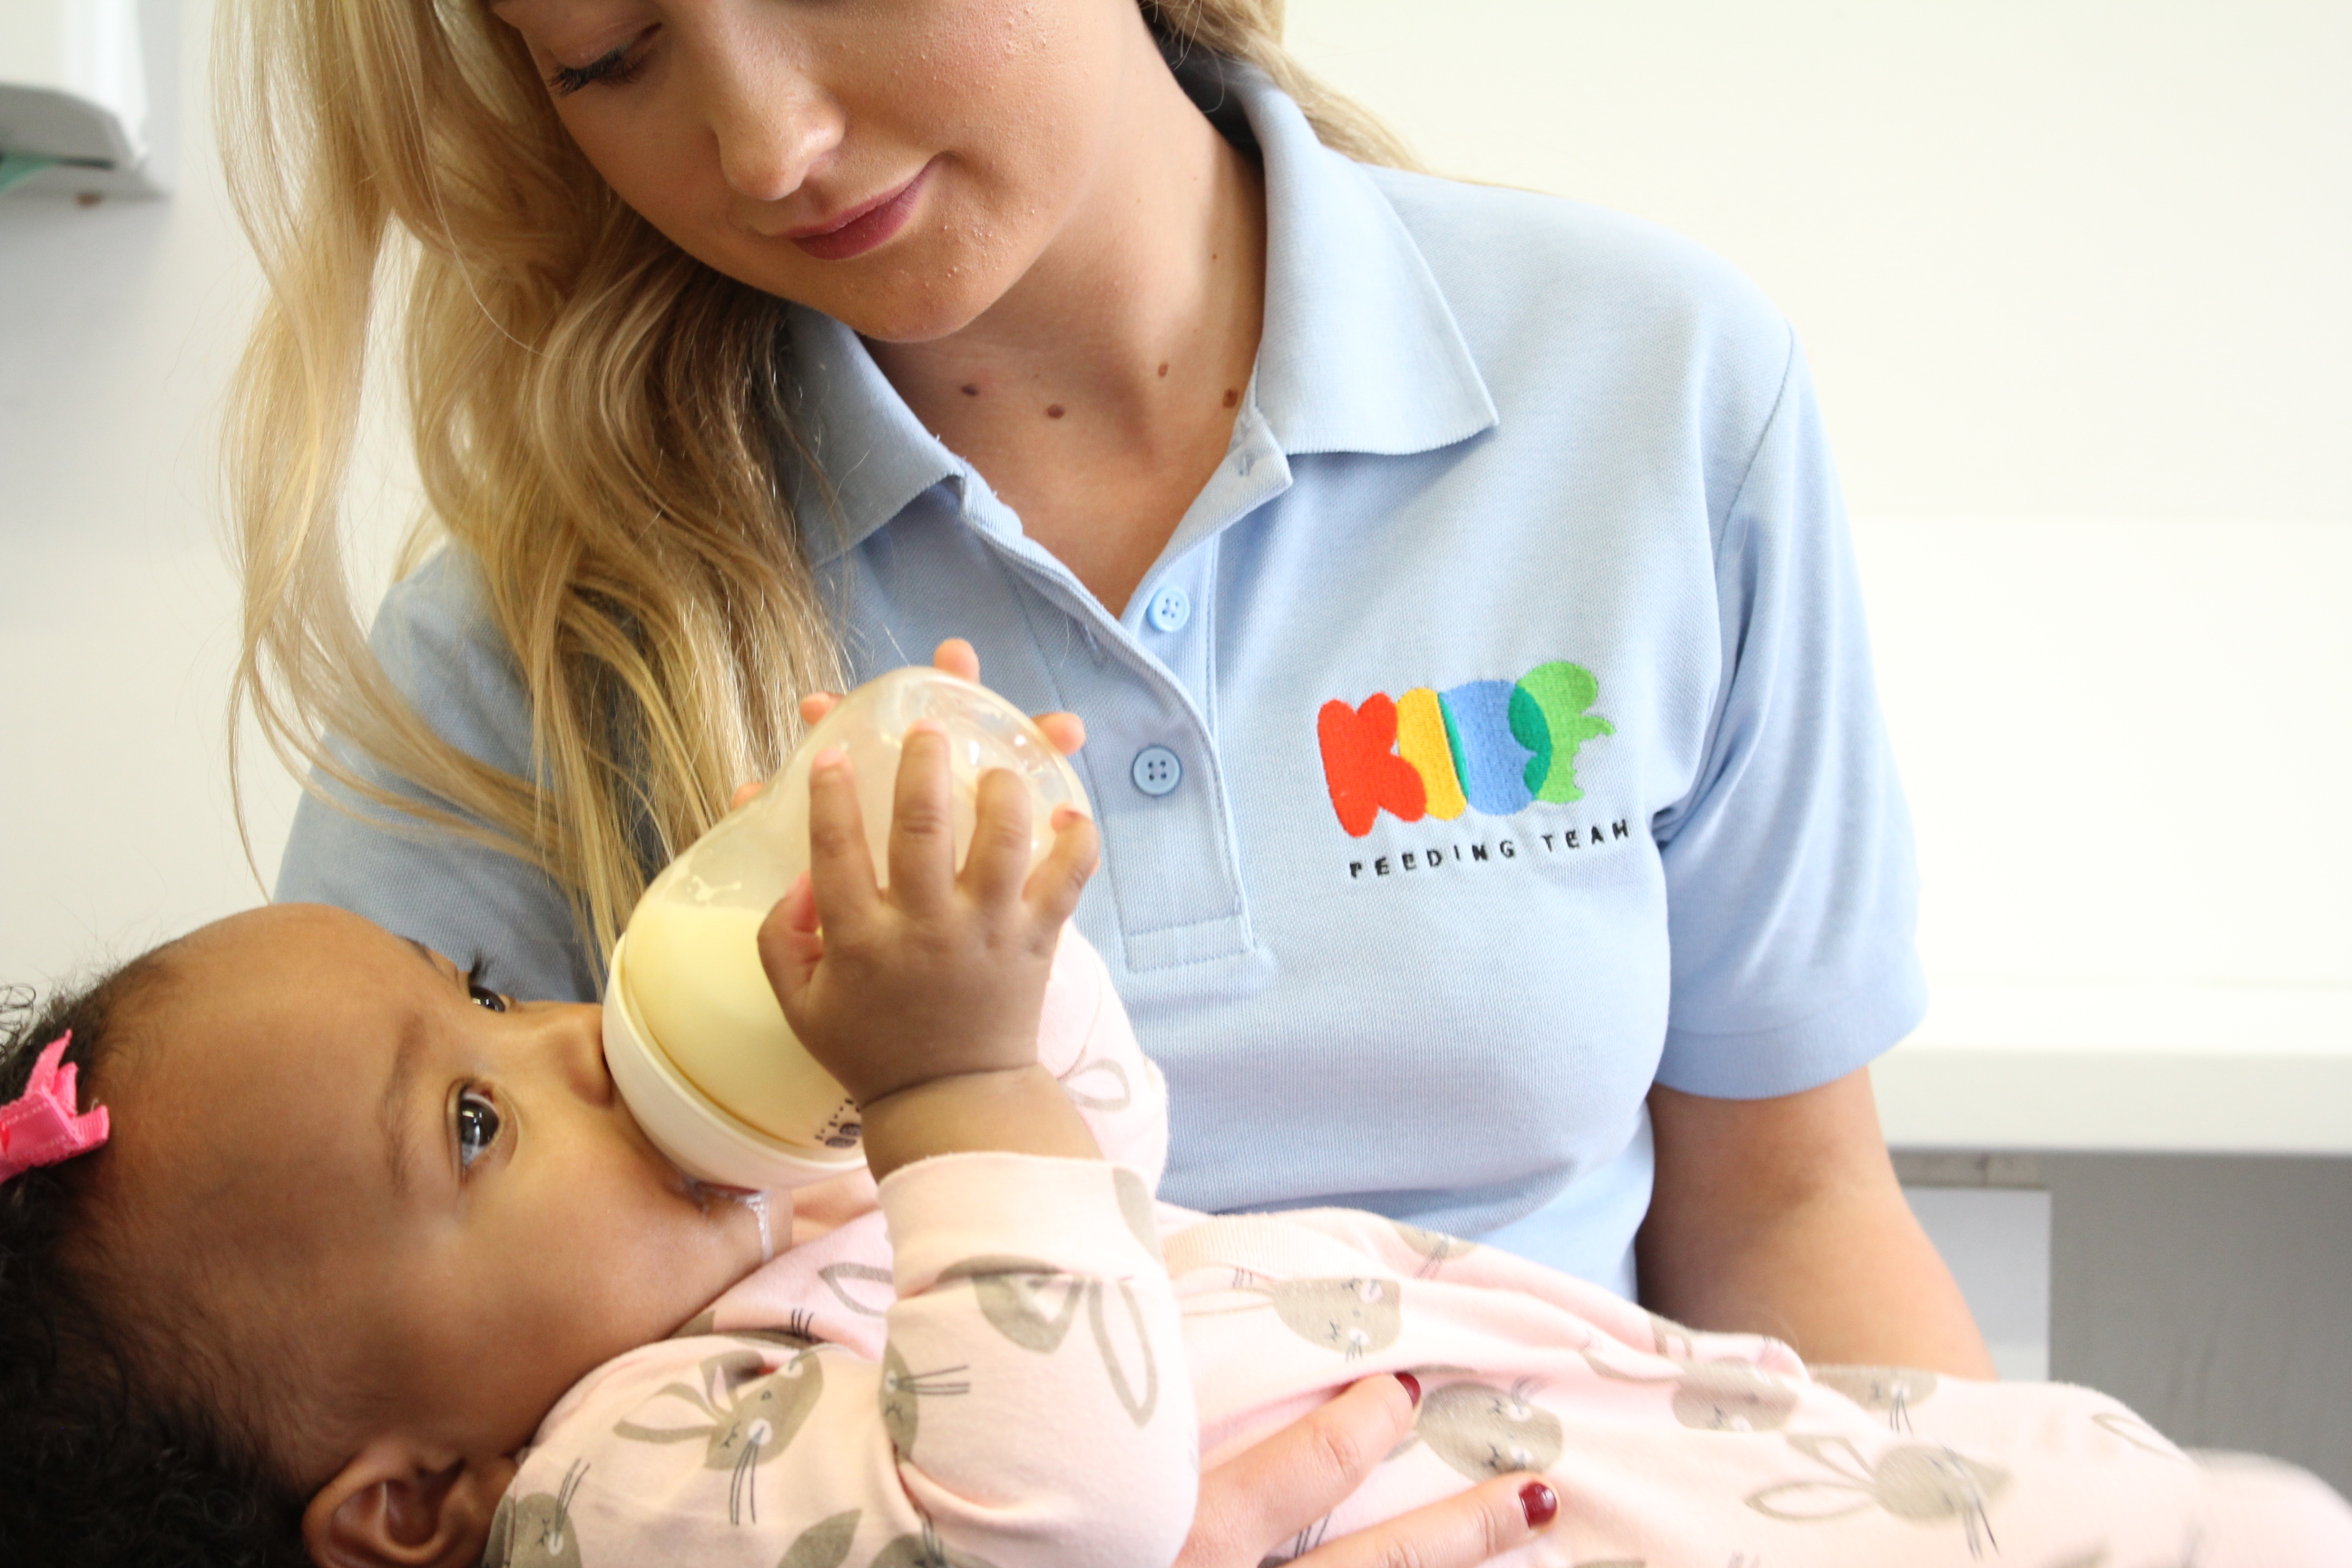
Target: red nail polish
1540,1503
1412,1387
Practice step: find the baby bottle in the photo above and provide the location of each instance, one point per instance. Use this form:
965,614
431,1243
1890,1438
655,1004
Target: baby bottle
695,1041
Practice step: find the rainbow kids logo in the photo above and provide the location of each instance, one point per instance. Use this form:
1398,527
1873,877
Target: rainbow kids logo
1495,747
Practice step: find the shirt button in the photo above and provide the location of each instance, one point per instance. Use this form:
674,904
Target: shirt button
1170,609
1157,770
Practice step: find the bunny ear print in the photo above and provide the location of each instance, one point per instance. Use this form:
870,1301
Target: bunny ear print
41,1126
1099,1085
1811,1502
861,1286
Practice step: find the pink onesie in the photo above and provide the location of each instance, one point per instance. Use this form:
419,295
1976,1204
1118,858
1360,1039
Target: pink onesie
1010,1361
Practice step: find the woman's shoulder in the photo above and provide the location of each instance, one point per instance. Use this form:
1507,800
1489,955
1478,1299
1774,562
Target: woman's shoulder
437,637
1531,275
441,607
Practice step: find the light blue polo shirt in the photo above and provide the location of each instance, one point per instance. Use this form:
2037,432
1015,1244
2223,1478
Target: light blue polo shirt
1495,736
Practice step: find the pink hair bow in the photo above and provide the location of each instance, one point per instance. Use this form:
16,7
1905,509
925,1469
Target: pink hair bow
41,1126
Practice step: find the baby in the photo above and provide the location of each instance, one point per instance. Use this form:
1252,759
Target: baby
362,1264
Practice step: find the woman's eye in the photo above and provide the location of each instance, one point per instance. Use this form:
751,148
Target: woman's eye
617,69
477,1125
482,995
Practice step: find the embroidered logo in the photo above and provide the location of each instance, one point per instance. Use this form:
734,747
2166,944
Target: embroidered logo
1495,747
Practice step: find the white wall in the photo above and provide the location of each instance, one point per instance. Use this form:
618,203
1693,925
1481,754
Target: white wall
2071,274
2050,257
118,326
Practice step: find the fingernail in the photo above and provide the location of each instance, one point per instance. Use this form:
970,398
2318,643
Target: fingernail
1540,1503
1412,1387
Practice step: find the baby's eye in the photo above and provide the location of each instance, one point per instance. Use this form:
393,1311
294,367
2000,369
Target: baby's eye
477,1125
482,995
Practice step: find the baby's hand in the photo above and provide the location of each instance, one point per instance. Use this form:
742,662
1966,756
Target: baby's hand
942,974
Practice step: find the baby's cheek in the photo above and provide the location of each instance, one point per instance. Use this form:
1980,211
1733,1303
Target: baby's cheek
676,1255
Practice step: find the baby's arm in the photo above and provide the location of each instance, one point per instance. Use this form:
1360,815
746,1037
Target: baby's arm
1031,1406
1087,1042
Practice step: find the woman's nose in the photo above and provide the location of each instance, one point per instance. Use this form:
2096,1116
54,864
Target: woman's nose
771,123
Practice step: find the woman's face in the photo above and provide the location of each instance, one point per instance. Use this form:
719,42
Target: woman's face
898,165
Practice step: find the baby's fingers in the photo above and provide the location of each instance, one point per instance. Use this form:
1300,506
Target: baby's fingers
998,862
791,946
1054,887
841,869
922,823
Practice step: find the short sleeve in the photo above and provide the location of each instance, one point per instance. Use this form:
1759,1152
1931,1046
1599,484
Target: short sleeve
1791,885
468,902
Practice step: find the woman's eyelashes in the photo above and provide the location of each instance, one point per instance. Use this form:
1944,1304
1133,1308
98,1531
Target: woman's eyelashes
477,1126
617,68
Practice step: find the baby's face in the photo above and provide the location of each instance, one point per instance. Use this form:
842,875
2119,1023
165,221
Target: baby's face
428,1197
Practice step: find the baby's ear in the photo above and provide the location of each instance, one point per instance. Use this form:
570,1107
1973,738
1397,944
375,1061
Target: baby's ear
397,1506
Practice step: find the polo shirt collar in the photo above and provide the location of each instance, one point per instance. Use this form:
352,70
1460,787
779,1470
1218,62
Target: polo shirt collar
864,456
1359,351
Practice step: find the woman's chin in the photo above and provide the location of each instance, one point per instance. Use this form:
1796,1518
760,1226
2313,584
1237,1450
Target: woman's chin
920,316
931,292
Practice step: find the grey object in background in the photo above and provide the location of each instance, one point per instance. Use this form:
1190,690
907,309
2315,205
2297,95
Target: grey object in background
2211,1293
1996,1240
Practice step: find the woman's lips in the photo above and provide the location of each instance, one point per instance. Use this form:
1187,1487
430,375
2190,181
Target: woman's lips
864,227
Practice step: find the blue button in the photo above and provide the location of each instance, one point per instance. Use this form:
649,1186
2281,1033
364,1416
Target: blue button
1170,609
1157,770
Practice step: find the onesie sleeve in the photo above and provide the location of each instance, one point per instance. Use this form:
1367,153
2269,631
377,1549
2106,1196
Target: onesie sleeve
474,905
1030,1407
1085,1040
1791,884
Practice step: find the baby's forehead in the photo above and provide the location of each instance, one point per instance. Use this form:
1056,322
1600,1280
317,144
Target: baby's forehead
290,966
289,929
264,1056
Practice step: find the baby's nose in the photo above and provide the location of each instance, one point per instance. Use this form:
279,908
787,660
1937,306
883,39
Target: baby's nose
576,1040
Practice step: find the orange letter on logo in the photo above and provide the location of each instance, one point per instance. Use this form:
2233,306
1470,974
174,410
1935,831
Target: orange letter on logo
1361,767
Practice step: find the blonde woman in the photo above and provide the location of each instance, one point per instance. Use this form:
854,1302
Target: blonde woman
1497,828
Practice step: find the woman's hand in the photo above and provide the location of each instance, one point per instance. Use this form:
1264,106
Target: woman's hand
1261,1500
956,657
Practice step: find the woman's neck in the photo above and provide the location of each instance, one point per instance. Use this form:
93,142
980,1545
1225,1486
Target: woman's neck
1098,395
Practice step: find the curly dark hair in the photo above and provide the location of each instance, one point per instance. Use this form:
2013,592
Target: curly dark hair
103,1464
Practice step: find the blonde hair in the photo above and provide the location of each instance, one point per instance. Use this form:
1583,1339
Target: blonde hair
597,417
